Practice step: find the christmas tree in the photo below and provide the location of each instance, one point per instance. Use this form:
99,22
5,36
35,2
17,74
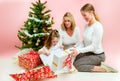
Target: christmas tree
36,27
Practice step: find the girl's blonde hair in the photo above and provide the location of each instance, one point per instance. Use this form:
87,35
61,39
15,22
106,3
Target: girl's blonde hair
48,42
71,18
89,7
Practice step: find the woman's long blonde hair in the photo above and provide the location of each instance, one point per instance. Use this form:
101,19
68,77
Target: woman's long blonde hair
48,42
89,7
71,18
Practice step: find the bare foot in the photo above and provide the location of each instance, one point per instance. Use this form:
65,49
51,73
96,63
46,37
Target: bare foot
98,69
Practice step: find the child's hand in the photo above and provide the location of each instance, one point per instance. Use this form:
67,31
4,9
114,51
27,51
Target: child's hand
40,51
61,46
47,52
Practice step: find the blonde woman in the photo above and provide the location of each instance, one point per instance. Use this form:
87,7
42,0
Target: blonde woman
69,32
90,55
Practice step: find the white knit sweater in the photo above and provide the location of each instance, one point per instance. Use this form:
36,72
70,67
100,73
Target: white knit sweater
92,39
69,41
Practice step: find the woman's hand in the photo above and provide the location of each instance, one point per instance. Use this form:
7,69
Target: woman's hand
62,47
74,52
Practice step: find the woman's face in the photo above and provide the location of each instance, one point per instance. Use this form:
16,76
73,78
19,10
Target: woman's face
87,16
67,22
54,41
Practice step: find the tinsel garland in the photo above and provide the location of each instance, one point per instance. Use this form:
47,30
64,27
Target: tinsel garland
38,20
34,35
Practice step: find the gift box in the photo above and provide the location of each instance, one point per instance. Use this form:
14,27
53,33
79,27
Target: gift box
29,60
34,74
61,58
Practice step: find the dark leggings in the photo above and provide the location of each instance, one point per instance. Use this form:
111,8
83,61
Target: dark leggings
84,62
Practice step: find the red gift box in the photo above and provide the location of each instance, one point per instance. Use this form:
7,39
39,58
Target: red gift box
29,60
34,74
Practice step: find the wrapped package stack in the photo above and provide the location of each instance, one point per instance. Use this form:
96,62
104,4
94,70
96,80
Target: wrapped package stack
29,60
34,75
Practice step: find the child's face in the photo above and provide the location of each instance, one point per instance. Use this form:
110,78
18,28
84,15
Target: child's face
54,41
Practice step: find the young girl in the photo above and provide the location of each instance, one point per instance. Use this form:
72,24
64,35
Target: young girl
51,44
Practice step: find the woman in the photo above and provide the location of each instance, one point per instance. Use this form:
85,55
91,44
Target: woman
90,54
69,33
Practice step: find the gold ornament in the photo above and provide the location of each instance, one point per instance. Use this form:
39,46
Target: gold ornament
38,40
29,42
35,30
29,23
52,21
37,44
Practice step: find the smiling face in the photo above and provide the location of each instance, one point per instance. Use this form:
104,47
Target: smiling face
67,22
87,16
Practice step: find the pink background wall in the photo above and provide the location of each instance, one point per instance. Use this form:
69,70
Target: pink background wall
13,13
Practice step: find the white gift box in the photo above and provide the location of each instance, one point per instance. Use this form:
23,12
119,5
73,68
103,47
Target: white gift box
59,59
47,60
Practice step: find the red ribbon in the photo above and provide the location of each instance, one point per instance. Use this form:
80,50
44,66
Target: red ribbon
68,61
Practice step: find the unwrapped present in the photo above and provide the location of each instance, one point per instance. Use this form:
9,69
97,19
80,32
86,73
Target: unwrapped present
61,59
29,60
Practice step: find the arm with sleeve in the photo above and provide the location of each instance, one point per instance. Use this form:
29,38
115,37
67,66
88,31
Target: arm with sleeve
77,32
96,40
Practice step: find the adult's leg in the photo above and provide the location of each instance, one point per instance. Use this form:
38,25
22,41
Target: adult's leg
86,63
